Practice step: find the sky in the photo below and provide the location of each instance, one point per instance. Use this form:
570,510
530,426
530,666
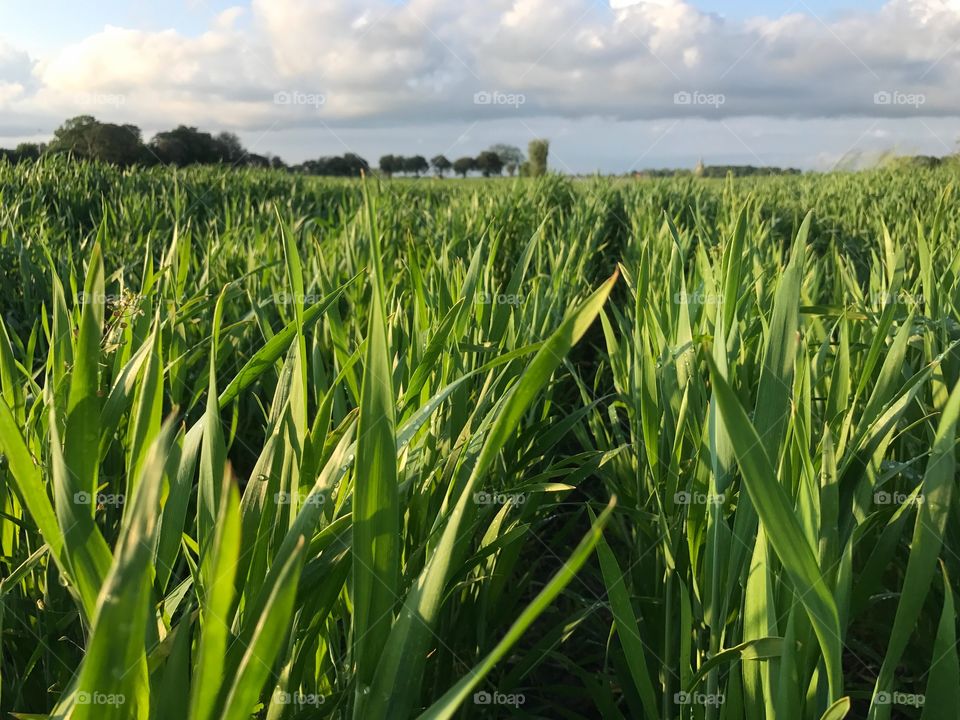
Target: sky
616,85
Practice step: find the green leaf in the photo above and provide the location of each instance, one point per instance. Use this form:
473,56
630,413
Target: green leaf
628,630
928,533
447,705
82,434
218,570
783,528
393,692
942,697
112,681
376,502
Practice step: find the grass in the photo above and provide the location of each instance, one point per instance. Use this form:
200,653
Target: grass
280,447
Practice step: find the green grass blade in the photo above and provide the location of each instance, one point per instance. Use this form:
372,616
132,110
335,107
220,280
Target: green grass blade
783,528
447,705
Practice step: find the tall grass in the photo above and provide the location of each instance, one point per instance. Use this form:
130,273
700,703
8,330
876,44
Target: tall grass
286,448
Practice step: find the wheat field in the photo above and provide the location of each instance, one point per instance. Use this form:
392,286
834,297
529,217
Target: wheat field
283,447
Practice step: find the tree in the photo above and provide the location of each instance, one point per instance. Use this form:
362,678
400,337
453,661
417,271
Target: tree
86,137
254,160
416,164
75,136
389,164
28,151
489,163
188,146
440,164
461,166
231,149
537,150
510,155
349,165
355,166
23,152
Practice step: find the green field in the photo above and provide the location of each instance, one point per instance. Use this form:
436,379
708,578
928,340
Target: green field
282,447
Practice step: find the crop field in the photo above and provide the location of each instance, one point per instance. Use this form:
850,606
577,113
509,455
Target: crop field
283,447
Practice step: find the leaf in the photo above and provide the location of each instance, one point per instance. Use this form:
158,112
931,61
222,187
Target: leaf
264,359
82,434
376,501
218,569
928,532
447,705
114,666
756,649
628,630
268,636
29,483
942,697
838,710
783,528
393,693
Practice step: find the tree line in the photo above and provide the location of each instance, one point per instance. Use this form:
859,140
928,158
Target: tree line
492,161
715,171
85,137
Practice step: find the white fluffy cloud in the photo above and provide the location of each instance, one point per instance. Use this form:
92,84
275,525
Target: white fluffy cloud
329,63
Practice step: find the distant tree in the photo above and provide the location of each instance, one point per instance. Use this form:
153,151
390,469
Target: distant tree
389,164
28,151
348,165
915,162
169,149
511,156
440,164
416,165
254,160
189,146
75,135
231,149
277,163
538,151
356,165
461,166
85,137
489,163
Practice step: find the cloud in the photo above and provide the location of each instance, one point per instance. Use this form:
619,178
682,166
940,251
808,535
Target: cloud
15,78
329,63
